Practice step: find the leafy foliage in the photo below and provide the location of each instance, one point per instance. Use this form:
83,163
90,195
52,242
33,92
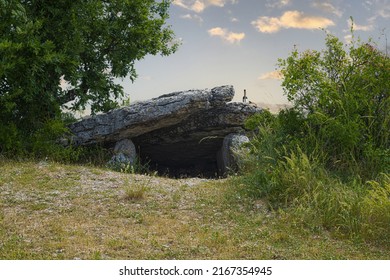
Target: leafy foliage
326,160
85,45
343,98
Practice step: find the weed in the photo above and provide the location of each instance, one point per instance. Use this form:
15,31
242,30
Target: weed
135,191
97,255
137,167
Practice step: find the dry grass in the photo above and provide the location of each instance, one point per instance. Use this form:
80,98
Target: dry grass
53,211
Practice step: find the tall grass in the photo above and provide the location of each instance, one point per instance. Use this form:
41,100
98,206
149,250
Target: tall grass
301,185
376,209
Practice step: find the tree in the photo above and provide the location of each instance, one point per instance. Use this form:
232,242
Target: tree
88,44
344,96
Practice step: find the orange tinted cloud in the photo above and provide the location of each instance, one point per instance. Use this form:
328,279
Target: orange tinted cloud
274,75
290,19
199,6
226,35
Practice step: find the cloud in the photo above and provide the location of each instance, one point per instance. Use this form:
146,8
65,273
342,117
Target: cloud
277,3
367,5
273,75
226,35
195,6
327,7
385,13
146,78
192,17
290,19
381,8
217,31
180,4
357,27
348,38
199,6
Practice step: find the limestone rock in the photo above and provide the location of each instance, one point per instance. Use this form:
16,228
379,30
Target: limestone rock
126,147
146,116
125,154
227,155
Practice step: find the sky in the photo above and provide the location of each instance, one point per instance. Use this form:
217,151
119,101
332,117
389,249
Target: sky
238,42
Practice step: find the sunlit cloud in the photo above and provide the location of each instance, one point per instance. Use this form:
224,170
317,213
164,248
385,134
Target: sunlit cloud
195,6
180,3
217,31
219,3
327,7
199,6
273,75
277,3
291,19
226,35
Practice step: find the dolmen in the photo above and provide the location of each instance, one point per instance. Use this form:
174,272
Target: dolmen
187,133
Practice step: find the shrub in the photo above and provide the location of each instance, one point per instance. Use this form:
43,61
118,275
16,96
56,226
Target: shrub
265,117
313,161
10,142
341,102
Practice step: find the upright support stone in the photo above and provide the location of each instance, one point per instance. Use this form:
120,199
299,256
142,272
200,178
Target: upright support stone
125,154
227,155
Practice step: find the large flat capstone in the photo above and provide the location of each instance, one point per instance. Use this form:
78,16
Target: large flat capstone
146,116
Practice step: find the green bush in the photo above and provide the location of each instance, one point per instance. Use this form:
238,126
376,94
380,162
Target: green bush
43,140
10,142
341,102
265,117
42,143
